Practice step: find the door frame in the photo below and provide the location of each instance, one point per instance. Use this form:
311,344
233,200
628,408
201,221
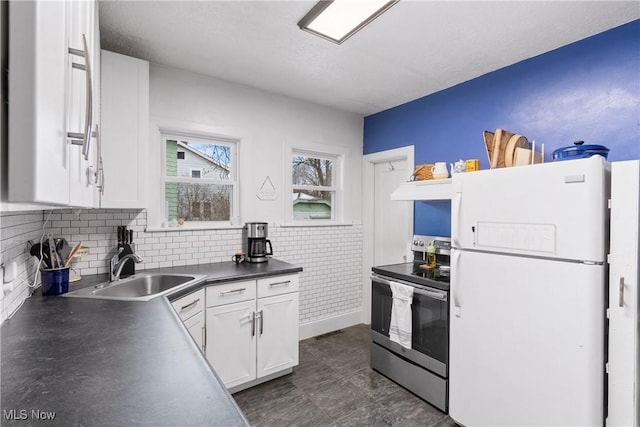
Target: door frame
368,218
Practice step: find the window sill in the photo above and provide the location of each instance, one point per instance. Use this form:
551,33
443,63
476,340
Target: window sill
317,224
193,228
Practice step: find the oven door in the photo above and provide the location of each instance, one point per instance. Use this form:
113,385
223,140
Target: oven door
430,323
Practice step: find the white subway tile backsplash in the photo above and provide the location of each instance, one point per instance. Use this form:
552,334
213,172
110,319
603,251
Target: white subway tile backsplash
16,228
331,257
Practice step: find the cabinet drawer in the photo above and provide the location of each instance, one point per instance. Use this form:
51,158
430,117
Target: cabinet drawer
189,305
277,285
227,293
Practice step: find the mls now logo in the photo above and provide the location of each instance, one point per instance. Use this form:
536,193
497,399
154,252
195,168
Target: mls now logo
23,414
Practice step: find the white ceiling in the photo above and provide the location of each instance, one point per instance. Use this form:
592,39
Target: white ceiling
414,49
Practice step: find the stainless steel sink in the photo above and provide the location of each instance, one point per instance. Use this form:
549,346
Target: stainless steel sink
140,287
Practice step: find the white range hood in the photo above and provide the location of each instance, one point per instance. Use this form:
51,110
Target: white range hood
435,189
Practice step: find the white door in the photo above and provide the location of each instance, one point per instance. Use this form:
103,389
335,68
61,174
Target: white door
623,295
231,342
277,331
391,218
526,341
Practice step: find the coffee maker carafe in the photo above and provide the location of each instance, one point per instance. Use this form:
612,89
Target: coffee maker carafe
258,246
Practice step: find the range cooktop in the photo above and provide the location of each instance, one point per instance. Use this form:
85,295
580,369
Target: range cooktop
410,272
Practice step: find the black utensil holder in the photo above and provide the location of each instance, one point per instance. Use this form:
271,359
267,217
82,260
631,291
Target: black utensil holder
129,267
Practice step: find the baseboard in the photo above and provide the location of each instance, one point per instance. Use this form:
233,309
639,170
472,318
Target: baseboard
329,324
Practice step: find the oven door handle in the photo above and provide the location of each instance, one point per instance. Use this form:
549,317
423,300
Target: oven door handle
435,294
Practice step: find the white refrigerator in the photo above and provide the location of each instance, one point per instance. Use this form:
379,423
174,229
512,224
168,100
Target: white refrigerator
528,284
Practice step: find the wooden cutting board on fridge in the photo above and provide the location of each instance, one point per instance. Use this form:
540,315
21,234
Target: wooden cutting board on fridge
516,141
500,141
488,143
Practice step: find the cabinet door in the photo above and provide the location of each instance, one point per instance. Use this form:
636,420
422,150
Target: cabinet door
81,102
231,342
38,153
624,372
124,130
189,305
277,331
195,326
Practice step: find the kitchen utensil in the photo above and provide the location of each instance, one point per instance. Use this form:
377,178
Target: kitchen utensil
522,156
459,166
63,248
500,141
53,255
579,151
516,141
422,172
439,170
75,250
55,281
488,143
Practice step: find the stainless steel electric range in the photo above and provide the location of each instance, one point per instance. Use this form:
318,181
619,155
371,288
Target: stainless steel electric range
422,369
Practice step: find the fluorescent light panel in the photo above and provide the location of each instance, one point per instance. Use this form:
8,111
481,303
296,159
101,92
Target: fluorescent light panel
338,20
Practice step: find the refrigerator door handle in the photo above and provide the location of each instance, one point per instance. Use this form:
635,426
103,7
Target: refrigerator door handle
455,281
621,295
455,219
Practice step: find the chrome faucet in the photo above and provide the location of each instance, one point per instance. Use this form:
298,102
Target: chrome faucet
116,264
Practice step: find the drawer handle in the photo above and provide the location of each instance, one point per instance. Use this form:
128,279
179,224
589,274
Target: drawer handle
191,304
232,291
271,285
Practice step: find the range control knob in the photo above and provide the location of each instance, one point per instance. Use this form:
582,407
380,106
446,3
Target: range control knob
421,243
415,243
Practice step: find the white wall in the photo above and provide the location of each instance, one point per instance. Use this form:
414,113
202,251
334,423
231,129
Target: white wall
265,123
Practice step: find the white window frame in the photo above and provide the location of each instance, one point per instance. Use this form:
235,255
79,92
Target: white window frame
233,143
338,155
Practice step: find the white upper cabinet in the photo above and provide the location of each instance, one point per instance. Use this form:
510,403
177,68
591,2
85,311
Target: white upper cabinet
124,130
38,152
52,91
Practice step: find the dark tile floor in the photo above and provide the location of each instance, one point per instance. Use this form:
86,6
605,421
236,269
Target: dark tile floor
334,386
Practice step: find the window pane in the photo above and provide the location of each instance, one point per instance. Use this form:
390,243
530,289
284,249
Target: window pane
312,205
198,202
312,171
213,160
195,174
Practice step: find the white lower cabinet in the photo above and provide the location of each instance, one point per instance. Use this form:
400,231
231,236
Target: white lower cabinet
252,330
277,334
190,309
232,342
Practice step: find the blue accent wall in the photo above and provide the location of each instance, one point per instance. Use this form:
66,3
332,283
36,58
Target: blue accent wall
588,90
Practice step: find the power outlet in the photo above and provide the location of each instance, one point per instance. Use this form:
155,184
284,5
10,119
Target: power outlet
8,275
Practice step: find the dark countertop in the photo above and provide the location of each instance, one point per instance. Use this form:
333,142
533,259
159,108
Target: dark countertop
103,362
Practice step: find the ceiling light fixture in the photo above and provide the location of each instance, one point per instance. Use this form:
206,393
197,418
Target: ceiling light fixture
337,20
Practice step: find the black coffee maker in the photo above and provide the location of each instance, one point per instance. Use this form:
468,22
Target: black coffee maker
258,246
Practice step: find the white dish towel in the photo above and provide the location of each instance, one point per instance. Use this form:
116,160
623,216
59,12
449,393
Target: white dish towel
400,328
